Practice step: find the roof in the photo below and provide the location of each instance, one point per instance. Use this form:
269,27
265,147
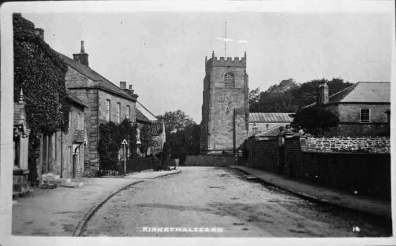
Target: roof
74,99
144,114
100,81
362,92
270,117
140,117
273,131
366,92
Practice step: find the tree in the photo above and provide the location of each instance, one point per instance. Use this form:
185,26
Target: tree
276,99
182,133
306,93
146,138
288,96
315,120
176,121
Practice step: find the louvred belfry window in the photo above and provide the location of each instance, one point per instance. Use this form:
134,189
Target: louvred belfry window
229,80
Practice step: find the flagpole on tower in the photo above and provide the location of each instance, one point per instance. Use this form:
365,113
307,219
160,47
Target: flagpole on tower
225,41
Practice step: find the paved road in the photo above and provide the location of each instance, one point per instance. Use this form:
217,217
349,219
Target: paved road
223,202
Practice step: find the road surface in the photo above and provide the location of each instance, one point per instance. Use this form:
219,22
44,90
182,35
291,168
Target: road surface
223,202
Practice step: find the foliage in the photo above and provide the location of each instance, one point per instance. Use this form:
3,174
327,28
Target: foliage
314,120
306,93
289,96
146,138
182,134
176,121
40,72
111,136
276,99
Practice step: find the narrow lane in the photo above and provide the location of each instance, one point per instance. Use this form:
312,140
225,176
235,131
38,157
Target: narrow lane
227,203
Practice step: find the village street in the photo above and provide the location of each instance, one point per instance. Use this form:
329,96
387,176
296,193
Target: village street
226,202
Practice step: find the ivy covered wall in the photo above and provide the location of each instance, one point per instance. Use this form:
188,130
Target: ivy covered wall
110,143
40,72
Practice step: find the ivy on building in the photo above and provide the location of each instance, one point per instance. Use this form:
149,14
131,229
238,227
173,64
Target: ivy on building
111,136
40,72
146,138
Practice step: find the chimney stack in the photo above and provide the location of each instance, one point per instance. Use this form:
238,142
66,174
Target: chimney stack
131,90
323,93
39,32
122,84
82,57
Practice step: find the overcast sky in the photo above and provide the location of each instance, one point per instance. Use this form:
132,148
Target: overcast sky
162,54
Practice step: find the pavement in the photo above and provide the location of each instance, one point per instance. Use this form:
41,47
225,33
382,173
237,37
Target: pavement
64,211
323,194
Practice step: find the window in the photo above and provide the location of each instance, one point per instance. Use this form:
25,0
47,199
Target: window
364,115
118,112
127,112
80,121
108,110
229,80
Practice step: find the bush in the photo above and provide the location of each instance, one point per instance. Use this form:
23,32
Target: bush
110,143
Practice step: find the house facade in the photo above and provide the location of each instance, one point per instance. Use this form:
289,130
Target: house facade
106,103
62,153
363,109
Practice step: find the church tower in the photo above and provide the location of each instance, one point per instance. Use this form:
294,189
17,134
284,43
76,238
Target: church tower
225,108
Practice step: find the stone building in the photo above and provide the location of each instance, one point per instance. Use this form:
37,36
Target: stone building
107,102
225,108
62,153
363,108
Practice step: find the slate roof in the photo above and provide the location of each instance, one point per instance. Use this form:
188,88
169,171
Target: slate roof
100,81
144,113
367,92
273,131
140,117
362,92
270,117
74,99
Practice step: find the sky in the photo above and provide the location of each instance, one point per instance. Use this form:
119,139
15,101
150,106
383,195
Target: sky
162,54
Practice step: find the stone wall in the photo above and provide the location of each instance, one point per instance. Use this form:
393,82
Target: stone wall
264,154
347,144
358,173
57,149
210,160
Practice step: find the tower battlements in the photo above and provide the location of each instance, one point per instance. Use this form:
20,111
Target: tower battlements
225,62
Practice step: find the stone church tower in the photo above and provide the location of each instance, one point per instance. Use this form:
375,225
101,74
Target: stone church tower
225,108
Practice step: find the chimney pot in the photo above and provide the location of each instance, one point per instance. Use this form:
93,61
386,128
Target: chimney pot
122,85
82,57
82,47
130,87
